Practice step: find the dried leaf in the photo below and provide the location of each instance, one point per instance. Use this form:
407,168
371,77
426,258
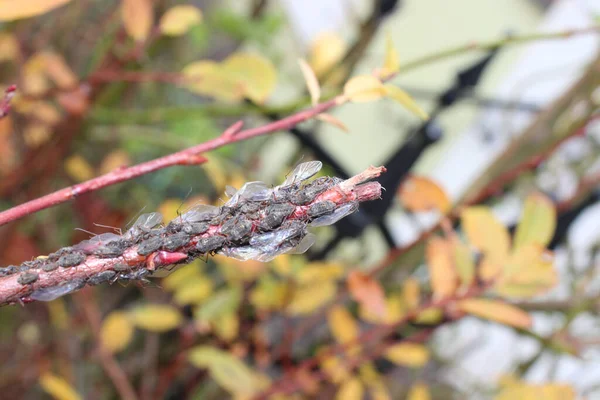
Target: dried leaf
423,194
325,52
308,298
399,95
419,391
342,325
391,64
138,17
367,291
497,311
156,317
486,233
116,332
407,354
178,20
58,387
538,222
312,83
11,10
78,168
352,389
364,88
442,275
9,47
330,119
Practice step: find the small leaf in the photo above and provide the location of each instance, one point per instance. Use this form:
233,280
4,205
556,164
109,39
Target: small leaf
268,294
227,326
529,271
222,302
178,20
330,119
11,10
57,387
423,194
486,233
137,17
463,262
352,389
308,298
419,391
442,275
497,311
320,271
399,95
116,332
407,354
255,74
325,52
156,317
312,83
58,70
194,291
391,64
207,78
335,368
411,293
367,291
9,47
342,325
364,88
78,168
180,277
537,222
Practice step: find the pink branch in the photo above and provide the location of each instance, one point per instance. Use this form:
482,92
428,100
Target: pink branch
9,93
190,156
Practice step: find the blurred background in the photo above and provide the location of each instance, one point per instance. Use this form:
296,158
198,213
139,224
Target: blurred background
512,89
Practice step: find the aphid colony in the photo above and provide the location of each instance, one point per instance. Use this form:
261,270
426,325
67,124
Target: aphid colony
257,222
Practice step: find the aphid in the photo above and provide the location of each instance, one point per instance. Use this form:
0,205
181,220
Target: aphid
308,193
275,214
237,228
57,254
49,266
226,213
251,191
275,238
71,260
200,213
120,267
28,277
5,271
211,243
302,172
336,215
149,245
250,208
101,277
321,208
140,274
53,293
144,224
175,241
195,228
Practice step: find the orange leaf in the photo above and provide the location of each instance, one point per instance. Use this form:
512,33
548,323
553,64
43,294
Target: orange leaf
367,291
497,311
442,275
423,194
137,17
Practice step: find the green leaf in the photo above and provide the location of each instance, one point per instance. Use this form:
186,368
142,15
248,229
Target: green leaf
538,222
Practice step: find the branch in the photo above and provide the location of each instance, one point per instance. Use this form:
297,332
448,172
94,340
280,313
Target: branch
9,93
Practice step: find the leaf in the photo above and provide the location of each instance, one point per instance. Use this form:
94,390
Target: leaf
11,10
330,119
35,80
364,88
57,69
178,20
156,317
430,315
497,311
116,332
9,47
464,263
538,222
222,302
352,389
442,275
335,368
228,371
391,64
411,293
268,294
423,194
367,291
515,389
412,355
486,233
193,291
308,298
57,387
419,391
312,83
528,272
400,96
256,74
325,52
395,309
180,277
207,78
320,271
342,325
226,326
115,159
78,168
137,18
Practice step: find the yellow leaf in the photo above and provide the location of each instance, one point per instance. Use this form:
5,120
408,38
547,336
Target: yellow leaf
373,381
224,301
411,355
11,10
208,78
463,262
335,368
320,271
364,88
330,119
137,18
342,325
57,387
193,291
399,95
515,389
537,222
497,311
156,317
178,20
325,52
268,294
114,160
58,70
367,291
411,293
78,168
486,233
228,371
441,269
58,314
35,80
419,391
423,194
255,74
180,277
352,389
311,80
116,332
395,309
9,47
529,271
227,326
308,298
392,60
430,315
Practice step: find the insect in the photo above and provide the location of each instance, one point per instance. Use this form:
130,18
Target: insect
27,277
335,216
71,260
211,243
54,292
150,245
175,241
101,277
237,228
104,245
275,214
321,208
142,225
